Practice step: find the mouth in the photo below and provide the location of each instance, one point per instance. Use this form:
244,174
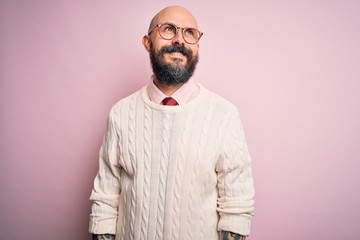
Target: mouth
176,54
175,57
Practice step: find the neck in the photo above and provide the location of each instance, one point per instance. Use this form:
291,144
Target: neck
168,90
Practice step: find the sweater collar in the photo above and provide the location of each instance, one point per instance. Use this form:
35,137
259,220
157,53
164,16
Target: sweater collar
187,92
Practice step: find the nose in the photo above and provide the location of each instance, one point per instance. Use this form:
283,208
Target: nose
178,39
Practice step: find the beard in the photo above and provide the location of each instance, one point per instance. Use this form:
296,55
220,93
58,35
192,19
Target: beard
168,73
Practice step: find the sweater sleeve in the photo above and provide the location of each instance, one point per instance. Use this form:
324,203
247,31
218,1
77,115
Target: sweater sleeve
235,182
106,190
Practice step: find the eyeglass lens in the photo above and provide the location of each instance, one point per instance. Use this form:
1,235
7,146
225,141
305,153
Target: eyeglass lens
169,31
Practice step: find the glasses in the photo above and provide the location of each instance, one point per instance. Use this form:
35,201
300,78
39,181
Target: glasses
168,31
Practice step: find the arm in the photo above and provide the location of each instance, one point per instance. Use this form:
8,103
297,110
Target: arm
235,182
106,190
225,235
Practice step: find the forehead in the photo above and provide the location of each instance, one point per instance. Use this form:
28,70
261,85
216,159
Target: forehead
179,17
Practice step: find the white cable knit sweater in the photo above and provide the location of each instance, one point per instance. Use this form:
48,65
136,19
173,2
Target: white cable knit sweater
173,172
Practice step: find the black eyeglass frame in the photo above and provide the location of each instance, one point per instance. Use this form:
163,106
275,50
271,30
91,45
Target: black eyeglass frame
177,31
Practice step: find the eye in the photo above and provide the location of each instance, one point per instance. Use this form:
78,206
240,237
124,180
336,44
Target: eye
169,29
191,32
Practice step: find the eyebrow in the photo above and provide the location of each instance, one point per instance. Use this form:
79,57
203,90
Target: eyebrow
176,25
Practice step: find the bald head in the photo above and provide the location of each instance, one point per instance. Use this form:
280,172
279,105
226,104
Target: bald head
173,58
174,14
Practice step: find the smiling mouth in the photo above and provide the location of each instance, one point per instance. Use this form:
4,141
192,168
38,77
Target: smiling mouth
176,54
176,57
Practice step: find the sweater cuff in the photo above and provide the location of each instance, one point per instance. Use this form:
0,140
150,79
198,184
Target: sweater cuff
102,225
236,224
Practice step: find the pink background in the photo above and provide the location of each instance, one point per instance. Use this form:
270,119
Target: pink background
292,68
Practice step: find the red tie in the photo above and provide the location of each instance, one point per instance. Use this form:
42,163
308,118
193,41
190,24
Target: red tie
169,101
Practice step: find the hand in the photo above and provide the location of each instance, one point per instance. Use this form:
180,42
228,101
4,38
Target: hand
103,237
226,235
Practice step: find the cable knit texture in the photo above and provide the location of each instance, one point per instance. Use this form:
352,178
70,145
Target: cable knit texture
173,172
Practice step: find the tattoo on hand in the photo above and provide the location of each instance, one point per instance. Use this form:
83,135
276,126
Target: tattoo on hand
103,236
226,235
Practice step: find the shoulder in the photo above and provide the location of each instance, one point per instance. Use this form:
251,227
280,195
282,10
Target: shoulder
126,101
218,102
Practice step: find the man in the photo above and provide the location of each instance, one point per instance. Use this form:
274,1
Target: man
174,163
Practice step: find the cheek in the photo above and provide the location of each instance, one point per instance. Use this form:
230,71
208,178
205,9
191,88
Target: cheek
158,43
195,50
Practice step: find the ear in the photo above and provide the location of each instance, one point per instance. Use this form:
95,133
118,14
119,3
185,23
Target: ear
146,42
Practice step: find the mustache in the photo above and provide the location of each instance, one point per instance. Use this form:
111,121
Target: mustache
177,48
